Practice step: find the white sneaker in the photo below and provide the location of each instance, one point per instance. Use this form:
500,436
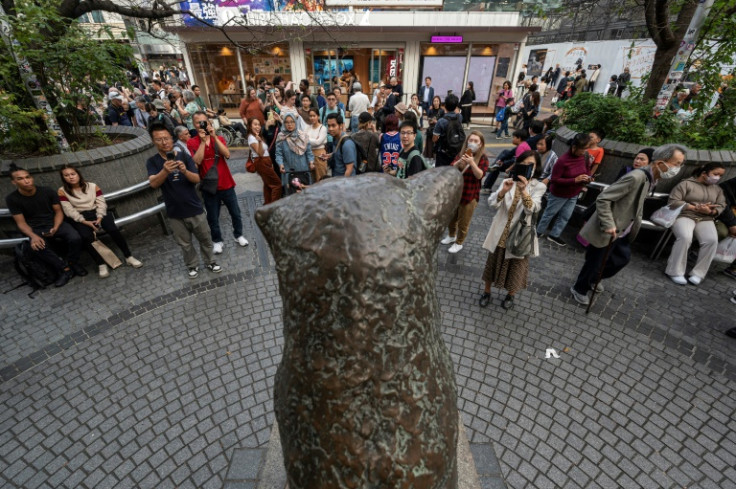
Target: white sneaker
104,272
455,248
695,280
448,240
217,248
242,241
133,262
679,279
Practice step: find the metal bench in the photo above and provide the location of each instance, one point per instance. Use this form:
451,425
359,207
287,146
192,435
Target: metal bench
157,209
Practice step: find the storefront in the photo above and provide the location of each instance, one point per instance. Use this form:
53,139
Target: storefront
219,69
375,45
327,67
452,64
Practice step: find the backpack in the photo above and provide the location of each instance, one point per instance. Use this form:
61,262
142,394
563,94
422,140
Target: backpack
454,137
360,155
371,147
35,273
404,163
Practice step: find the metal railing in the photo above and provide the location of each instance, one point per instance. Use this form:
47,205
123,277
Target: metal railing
110,197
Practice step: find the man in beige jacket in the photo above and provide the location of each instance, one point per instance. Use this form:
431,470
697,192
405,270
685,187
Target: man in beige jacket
618,217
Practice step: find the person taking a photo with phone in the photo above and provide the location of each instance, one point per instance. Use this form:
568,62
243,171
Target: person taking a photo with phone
473,164
518,197
210,153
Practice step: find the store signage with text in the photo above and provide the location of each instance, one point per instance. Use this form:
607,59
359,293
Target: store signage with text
447,39
383,3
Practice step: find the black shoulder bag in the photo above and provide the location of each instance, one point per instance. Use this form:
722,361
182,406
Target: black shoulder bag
208,184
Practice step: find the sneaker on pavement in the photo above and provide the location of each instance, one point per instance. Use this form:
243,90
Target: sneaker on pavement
556,241
580,298
193,272
63,278
455,248
730,272
217,248
242,241
678,279
695,280
133,262
104,272
598,288
214,267
448,240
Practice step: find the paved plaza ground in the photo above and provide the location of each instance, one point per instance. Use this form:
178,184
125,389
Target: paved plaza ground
150,380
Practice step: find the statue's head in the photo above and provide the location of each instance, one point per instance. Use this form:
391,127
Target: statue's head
360,236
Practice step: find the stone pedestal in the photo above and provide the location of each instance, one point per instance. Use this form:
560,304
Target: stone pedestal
273,475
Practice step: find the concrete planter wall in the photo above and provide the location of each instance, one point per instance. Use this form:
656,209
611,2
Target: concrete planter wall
113,167
619,155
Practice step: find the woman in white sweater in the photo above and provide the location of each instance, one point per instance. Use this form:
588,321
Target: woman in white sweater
85,207
519,197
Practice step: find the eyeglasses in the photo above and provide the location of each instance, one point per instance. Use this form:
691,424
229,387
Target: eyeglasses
406,133
162,140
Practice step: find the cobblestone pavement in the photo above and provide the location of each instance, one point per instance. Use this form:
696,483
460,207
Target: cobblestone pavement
151,380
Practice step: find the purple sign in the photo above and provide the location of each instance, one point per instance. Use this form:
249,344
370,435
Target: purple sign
447,39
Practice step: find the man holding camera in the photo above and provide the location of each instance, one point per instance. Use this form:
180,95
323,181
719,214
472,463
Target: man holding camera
176,174
210,153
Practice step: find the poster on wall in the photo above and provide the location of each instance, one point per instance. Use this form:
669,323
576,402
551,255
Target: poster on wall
325,68
573,57
536,62
503,67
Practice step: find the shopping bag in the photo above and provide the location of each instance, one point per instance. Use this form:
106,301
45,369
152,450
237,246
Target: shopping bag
107,254
726,251
666,216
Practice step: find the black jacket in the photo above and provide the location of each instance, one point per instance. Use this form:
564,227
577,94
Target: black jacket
727,217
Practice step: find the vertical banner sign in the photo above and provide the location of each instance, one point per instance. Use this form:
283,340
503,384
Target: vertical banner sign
678,63
33,86
391,67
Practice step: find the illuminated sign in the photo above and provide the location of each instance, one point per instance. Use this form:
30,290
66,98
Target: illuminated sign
383,3
447,39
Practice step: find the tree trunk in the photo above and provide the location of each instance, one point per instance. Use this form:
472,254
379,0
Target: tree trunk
660,70
667,36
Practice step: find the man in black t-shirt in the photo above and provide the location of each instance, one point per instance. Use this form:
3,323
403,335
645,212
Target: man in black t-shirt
410,157
177,177
37,213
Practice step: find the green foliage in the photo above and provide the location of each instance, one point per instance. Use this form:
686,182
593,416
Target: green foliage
68,62
630,120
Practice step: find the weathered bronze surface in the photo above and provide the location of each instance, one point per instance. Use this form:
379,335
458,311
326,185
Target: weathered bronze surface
365,394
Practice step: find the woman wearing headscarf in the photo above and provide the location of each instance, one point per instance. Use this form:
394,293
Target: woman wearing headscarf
293,151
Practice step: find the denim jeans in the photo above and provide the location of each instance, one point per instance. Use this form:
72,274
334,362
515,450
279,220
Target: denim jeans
504,127
559,207
354,123
213,203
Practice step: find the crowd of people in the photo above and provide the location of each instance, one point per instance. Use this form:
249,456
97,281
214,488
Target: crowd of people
298,136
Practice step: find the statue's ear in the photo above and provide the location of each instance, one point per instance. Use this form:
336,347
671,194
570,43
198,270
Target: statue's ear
436,194
268,218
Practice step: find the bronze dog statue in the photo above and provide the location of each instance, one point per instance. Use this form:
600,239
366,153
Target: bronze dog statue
365,394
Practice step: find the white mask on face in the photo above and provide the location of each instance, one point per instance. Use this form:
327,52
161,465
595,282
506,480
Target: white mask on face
671,172
473,147
712,179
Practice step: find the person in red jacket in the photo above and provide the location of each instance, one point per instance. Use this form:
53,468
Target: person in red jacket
206,149
569,176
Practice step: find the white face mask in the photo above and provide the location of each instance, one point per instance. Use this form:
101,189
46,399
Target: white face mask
671,172
712,179
473,147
